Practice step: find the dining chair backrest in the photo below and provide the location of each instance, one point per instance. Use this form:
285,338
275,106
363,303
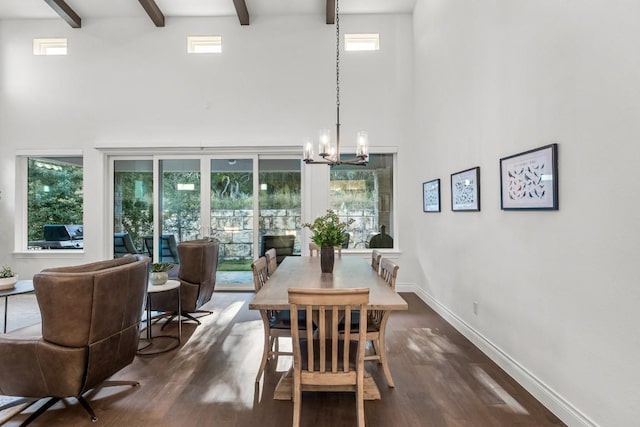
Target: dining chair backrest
376,256
389,272
259,268
335,357
272,261
314,249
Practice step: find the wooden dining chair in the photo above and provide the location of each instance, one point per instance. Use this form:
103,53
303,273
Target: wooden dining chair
314,249
332,361
376,256
272,261
277,323
274,326
377,322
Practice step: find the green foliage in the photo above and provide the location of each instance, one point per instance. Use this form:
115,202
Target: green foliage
54,195
243,201
181,208
134,202
328,230
283,190
159,267
284,200
6,272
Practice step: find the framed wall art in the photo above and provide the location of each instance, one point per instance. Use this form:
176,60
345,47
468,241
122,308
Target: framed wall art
431,195
465,190
529,180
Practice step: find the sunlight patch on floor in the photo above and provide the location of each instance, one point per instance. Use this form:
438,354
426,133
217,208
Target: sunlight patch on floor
486,380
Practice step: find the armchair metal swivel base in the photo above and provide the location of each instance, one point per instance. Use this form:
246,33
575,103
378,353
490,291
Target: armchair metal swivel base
187,316
53,400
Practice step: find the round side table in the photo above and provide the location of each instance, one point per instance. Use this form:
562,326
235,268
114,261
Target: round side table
148,350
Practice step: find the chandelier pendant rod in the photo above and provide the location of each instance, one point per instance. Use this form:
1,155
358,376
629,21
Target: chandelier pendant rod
337,81
328,155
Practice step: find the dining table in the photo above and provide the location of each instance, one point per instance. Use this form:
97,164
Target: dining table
304,272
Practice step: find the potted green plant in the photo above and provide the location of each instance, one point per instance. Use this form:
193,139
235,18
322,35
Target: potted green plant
159,273
328,232
8,278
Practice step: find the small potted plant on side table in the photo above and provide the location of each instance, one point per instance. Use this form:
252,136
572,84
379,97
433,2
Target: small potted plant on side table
8,278
159,275
328,232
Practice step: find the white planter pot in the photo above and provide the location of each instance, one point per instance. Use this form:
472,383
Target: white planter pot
158,278
8,282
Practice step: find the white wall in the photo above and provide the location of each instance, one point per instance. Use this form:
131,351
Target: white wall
126,83
558,291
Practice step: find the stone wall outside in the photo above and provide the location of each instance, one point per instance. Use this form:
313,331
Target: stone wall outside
234,229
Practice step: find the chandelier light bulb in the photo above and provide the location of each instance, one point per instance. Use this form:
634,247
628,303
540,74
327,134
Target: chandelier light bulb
308,150
362,146
325,141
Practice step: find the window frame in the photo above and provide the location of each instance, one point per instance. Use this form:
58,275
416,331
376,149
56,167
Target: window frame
21,224
395,229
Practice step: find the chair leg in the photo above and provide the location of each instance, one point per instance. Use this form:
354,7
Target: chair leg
41,410
383,360
275,348
188,317
376,350
19,405
360,401
206,312
87,408
118,383
297,400
266,352
52,401
111,383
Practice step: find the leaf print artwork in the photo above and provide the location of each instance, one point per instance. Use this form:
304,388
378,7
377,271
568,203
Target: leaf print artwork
529,179
526,182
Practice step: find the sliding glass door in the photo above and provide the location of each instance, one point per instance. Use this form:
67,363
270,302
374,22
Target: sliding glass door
244,202
280,205
231,219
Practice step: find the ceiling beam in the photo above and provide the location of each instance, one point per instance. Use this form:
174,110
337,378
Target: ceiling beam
331,12
153,11
241,10
65,12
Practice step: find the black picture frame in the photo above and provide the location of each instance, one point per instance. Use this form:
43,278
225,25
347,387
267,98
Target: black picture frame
529,180
465,190
431,195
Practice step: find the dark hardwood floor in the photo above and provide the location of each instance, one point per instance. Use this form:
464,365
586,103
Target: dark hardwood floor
441,380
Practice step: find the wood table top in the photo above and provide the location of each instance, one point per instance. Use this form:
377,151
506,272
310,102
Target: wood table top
304,272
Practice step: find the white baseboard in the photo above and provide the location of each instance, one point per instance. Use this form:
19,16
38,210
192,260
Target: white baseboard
563,409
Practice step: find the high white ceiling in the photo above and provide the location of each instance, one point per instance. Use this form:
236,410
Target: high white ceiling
92,9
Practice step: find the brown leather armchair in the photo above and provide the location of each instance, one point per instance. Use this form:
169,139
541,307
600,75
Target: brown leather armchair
90,328
197,275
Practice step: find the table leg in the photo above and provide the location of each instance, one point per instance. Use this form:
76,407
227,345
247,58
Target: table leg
148,350
179,315
6,299
149,319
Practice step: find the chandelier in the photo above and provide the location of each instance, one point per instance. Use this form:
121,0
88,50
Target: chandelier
330,153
